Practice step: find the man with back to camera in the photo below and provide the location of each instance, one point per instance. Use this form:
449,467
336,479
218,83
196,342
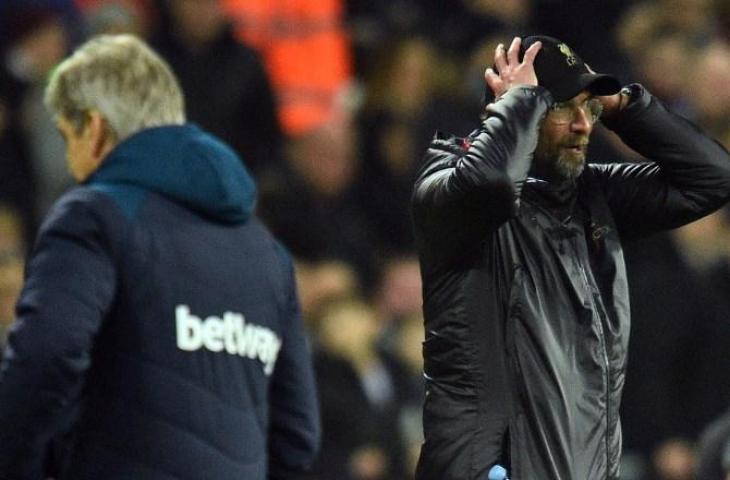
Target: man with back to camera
158,329
525,293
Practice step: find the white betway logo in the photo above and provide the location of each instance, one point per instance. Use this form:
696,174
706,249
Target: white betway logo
230,333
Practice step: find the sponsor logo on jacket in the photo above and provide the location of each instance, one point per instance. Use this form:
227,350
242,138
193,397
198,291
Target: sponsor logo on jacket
230,334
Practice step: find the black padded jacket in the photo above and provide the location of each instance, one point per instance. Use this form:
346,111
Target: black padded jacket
525,293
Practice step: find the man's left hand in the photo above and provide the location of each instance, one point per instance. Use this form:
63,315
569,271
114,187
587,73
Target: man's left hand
612,104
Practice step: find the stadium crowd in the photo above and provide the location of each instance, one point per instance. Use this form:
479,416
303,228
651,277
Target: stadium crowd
331,103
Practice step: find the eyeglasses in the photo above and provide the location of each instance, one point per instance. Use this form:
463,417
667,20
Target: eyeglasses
564,112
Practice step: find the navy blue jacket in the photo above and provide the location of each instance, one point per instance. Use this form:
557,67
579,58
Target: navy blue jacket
158,334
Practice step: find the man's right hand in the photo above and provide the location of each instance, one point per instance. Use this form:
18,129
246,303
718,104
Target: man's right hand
510,71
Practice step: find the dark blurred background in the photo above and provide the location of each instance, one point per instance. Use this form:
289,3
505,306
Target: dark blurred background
331,103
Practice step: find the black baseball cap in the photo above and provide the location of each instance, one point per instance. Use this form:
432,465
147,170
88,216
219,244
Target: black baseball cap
563,72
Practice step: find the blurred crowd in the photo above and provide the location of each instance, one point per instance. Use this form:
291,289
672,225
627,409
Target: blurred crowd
331,103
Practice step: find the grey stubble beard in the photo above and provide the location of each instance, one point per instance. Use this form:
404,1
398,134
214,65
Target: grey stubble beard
568,169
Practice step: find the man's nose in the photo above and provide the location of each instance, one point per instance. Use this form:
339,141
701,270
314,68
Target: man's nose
582,121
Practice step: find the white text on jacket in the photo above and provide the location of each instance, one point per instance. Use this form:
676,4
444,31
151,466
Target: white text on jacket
230,333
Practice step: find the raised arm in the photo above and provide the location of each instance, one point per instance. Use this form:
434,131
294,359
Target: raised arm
480,178
687,177
474,184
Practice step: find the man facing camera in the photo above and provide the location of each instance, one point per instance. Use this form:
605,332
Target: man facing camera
525,293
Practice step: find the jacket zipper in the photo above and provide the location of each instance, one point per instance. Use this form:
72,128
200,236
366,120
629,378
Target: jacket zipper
604,351
601,333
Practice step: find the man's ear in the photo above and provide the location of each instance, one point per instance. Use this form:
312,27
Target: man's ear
100,136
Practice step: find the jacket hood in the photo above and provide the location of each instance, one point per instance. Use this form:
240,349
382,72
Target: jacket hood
186,165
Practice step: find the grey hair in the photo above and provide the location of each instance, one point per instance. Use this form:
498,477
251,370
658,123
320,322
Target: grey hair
123,79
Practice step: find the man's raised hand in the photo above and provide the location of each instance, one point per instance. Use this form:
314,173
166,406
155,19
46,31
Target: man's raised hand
510,71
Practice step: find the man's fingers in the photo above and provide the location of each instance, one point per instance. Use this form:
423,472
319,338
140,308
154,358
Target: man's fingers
531,53
491,76
513,52
492,79
500,61
494,82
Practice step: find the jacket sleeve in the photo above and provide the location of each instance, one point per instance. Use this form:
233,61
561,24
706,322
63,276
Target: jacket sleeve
70,283
294,428
687,177
464,189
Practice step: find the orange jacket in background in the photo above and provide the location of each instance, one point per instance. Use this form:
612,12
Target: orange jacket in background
306,52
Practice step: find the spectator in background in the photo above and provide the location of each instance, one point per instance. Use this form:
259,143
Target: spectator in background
398,301
320,282
405,79
359,396
312,205
12,254
226,87
405,344
669,53
693,20
307,54
352,334
453,108
118,16
399,290
709,92
400,87
480,18
678,31
36,35
16,175
377,25
453,27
